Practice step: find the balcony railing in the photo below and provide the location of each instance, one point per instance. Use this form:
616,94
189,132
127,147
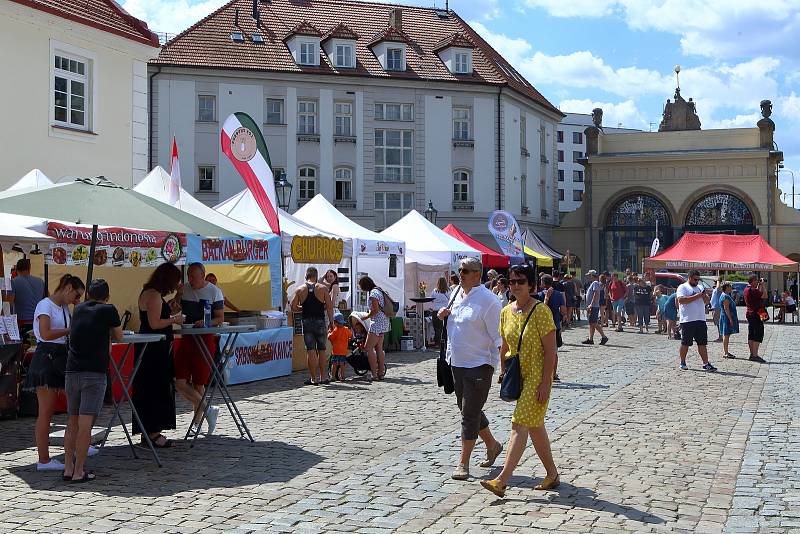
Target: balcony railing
464,143
345,204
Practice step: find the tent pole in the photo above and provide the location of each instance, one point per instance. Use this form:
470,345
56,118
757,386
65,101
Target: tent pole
90,268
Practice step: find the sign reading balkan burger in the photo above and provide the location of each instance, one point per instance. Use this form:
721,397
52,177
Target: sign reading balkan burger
316,249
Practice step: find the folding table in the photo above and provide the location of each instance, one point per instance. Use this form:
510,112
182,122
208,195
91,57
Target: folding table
217,380
130,340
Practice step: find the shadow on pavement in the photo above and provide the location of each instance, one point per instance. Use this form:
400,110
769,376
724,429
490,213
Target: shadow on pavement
573,496
214,462
576,385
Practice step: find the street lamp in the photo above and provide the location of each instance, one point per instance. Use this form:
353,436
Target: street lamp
431,213
283,188
790,171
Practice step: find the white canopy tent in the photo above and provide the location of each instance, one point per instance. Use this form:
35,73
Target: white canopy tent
243,207
35,179
430,252
373,251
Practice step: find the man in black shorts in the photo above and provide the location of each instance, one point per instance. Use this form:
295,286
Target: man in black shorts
692,302
313,300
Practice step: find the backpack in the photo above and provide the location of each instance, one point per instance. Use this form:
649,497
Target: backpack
389,306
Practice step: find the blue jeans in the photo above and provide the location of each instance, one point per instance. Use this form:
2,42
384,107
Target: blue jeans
643,315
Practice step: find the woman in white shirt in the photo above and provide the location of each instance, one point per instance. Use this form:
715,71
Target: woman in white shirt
51,321
441,298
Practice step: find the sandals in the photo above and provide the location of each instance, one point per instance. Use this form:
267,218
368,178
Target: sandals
309,382
88,476
549,483
166,444
495,486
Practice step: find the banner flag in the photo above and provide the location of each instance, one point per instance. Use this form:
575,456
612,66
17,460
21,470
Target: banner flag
503,226
174,176
244,145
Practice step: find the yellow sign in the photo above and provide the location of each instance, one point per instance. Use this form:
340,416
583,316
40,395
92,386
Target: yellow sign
308,249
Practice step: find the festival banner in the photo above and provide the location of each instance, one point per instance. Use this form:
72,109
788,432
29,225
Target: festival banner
116,247
239,250
507,233
259,355
317,249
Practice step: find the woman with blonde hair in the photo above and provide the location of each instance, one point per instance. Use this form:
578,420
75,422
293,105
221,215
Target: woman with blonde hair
528,331
441,298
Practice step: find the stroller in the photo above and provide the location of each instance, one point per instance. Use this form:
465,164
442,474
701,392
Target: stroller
358,356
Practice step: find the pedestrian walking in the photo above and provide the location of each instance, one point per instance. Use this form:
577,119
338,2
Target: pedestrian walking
473,352
754,301
692,302
618,291
593,309
630,299
605,299
569,298
716,311
729,321
643,298
377,329
527,328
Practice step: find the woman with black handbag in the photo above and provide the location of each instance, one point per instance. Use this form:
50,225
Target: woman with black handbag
51,321
527,328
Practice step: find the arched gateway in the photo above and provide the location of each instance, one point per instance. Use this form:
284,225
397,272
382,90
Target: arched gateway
720,213
629,231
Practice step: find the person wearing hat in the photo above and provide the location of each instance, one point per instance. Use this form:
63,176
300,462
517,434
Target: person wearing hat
339,338
593,309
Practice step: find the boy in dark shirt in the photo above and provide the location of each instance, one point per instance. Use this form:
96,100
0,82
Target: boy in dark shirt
94,323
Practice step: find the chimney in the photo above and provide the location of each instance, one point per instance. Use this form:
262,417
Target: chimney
396,19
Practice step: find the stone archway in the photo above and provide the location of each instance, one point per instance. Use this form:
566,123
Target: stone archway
629,229
720,212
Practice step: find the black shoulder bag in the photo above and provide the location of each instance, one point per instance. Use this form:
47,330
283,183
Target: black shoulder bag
511,387
444,375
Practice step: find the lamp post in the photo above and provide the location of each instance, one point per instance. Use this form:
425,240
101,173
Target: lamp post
283,189
431,213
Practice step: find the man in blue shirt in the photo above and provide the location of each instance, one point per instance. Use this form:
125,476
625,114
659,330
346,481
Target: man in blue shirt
558,306
715,308
28,291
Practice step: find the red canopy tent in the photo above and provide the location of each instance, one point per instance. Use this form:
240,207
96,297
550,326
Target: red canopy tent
721,252
491,259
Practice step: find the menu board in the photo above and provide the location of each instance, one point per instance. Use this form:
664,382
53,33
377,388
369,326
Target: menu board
116,247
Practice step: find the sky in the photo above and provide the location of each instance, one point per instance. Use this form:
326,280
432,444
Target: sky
620,55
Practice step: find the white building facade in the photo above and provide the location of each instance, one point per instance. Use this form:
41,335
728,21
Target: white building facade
571,146
374,143
79,90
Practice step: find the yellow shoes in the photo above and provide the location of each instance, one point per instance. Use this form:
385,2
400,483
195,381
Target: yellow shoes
495,486
549,483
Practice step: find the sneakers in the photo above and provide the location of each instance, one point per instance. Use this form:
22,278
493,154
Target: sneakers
587,342
729,356
491,455
710,368
758,359
52,465
603,340
684,367
194,430
211,417
461,472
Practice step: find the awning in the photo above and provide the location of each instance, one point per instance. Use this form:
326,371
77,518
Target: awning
535,243
541,259
721,252
491,259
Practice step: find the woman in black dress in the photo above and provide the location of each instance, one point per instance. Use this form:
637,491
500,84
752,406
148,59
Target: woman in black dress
153,387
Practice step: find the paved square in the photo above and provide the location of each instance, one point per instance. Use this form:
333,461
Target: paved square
641,446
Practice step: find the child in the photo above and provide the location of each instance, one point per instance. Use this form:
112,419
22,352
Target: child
339,338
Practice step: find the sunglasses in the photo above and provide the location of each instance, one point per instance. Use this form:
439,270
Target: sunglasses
517,282
462,271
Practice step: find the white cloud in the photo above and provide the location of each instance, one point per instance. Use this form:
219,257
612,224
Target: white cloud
623,114
171,16
712,28
789,107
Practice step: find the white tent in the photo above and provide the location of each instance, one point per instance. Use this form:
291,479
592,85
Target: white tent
243,207
12,235
373,251
34,179
430,252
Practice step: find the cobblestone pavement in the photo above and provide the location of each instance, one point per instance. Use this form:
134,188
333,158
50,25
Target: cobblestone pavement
641,446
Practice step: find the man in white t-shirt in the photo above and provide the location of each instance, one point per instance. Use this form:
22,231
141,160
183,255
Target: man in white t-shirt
593,308
692,302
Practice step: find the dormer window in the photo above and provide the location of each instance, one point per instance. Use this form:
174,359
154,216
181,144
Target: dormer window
394,59
303,42
456,53
345,56
308,53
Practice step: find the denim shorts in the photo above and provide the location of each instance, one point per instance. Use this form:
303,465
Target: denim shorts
85,393
315,333
594,314
619,305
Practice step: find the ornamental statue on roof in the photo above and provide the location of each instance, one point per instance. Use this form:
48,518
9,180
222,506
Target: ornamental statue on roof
680,114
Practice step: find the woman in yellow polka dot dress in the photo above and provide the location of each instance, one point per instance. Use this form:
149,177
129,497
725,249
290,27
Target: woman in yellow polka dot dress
537,360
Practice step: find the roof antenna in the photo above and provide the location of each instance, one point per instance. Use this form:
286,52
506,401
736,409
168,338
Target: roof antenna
236,17
447,5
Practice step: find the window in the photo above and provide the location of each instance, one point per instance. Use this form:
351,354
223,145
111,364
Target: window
394,59
390,207
393,156
206,108
523,193
523,132
205,179
344,56
394,112
576,155
306,184
577,195
461,123
559,136
560,175
274,111
461,181
306,117
237,37
577,176
560,194
70,90
343,119
344,184
308,54
577,138
560,155
461,63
